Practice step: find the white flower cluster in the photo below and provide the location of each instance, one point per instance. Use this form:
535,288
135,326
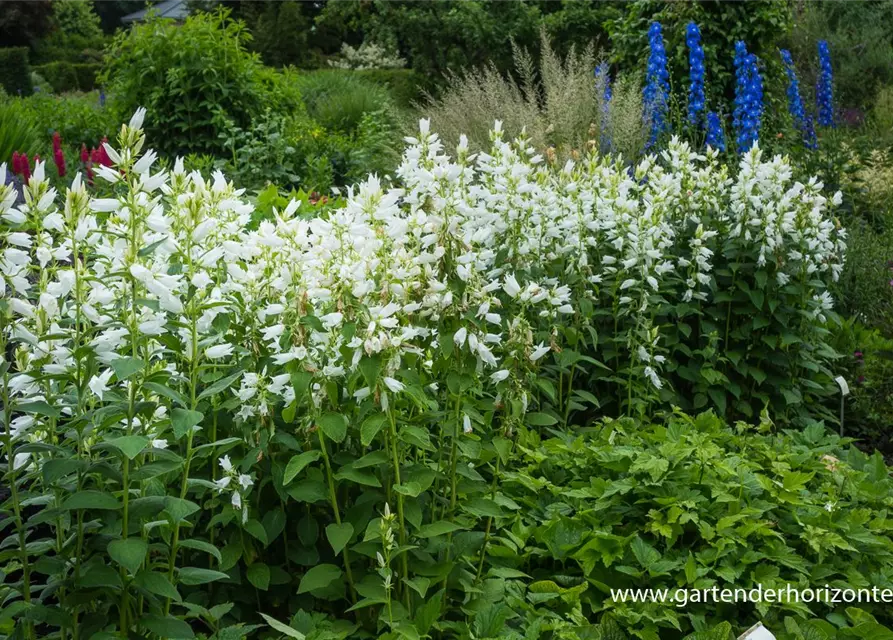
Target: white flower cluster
493,249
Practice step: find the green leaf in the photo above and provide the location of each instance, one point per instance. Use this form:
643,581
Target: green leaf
201,545
259,575
167,626
339,535
179,509
91,500
438,528
644,552
221,385
195,575
59,468
126,366
256,529
370,428
411,489
130,446
319,577
371,367
297,464
40,408
129,553
158,584
182,421
334,425
282,628
419,585
541,419
166,392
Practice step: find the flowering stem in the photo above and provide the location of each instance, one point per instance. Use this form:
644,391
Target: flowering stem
13,486
404,562
333,498
489,520
193,402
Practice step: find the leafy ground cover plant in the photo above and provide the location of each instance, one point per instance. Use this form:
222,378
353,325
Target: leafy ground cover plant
692,503
207,417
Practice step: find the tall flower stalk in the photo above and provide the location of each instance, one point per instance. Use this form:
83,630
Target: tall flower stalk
657,84
824,94
748,110
696,98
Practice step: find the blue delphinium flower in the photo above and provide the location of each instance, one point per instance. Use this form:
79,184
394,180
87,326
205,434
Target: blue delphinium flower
657,83
603,71
748,111
795,102
101,97
695,72
715,136
824,94
809,138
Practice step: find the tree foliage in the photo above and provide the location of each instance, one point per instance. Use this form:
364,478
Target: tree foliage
23,22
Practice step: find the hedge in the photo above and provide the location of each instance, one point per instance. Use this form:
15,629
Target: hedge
70,76
15,73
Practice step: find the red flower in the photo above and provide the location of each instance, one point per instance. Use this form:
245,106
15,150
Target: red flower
59,159
104,159
26,166
57,142
85,156
16,163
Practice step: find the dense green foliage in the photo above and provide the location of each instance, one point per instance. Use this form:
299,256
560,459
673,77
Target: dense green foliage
456,399
18,133
859,35
23,23
15,72
65,77
197,79
762,24
691,502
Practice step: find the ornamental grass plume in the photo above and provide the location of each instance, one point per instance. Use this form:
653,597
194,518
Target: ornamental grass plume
696,97
657,83
824,94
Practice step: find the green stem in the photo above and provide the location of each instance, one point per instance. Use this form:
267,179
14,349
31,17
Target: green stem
13,487
489,522
333,498
395,460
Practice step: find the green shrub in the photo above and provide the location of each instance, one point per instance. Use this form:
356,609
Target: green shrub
196,79
76,17
404,85
78,119
15,73
65,77
864,289
338,99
